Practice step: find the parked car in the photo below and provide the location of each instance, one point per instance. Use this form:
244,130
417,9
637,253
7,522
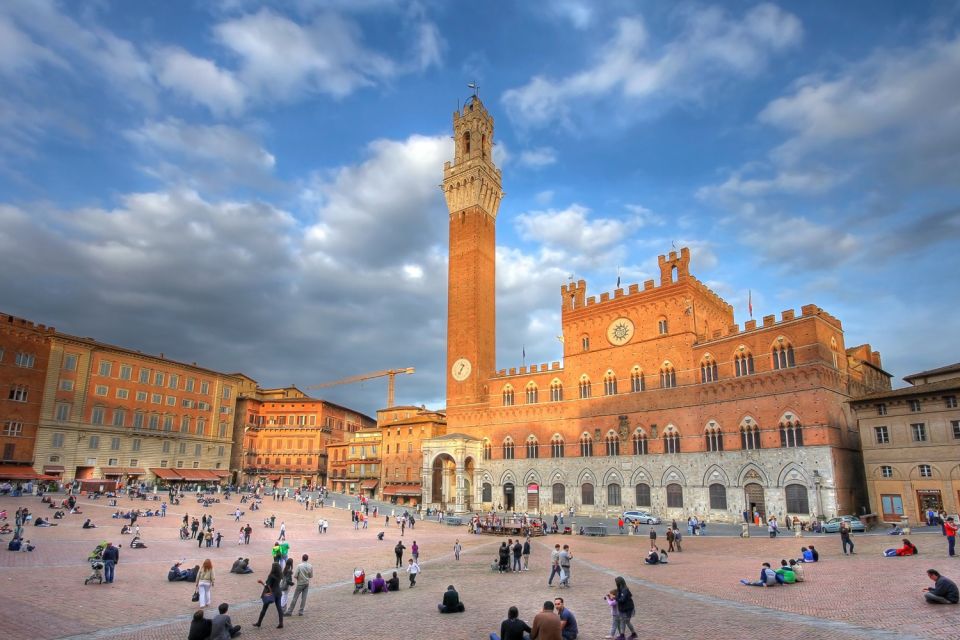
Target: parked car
641,517
833,524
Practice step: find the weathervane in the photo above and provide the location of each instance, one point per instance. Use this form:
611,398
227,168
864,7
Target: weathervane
476,89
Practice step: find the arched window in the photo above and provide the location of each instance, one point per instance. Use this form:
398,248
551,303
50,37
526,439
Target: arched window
556,391
613,495
466,142
508,396
834,354
783,354
743,362
556,447
714,438
584,387
586,446
487,450
708,369
749,435
613,444
662,326
559,493
643,495
486,493
674,496
636,380
532,393
797,499
718,496
671,441
586,494
610,384
668,376
791,433
533,448
639,443
508,448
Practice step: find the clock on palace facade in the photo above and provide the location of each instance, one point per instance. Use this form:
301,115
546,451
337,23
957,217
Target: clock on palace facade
461,369
620,331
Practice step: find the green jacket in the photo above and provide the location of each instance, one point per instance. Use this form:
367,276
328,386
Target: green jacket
789,577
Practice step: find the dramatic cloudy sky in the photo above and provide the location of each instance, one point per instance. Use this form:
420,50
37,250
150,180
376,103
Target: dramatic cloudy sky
255,187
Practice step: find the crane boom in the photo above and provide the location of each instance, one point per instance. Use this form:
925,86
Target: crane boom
389,373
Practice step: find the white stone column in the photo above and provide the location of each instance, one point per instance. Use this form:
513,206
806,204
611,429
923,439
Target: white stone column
459,501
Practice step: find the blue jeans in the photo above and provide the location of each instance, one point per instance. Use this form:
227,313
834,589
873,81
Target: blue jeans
847,541
108,570
554,571
951,542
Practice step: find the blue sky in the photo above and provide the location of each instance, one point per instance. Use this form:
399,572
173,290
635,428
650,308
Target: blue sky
254,187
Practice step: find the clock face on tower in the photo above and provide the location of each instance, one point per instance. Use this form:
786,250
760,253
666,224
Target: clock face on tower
620,331
461,369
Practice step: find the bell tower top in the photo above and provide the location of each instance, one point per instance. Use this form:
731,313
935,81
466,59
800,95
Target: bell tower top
472,180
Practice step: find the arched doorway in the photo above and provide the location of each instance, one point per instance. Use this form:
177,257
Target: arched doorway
509,497
753,493
533,497
444,480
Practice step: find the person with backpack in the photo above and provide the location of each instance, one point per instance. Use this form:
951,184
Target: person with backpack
398,550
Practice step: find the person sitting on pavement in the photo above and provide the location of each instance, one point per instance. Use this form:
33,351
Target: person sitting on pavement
907,548
547,625
137,543
663,556
797,569
653,557
513,628
125,529
176,574
377,585
786,573
768,577
40,522
943,591
88,524
199,627
393,584
451,602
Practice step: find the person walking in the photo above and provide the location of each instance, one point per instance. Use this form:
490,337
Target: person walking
271,593
283,530
653,538
669,539
246,533
205,583
845,538
457,548
301,576
110,557
398,550
415,551
565,558
950,528
625,609
413,569
554,564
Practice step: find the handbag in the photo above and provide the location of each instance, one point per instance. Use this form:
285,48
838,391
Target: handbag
267,597
195,597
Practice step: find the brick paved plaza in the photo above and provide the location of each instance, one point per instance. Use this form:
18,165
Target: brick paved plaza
697,595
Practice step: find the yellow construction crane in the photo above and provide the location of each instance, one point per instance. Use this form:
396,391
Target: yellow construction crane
389,373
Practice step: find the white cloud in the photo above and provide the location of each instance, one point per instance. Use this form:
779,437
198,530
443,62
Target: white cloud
811,246
539,157
571,229
200,80
18,52
578,13
712,45
544,197
812,181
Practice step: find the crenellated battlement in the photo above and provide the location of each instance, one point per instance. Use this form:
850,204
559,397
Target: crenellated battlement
522,371
770,321
24,324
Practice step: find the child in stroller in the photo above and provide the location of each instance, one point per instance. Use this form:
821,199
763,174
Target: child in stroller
96,564
359,581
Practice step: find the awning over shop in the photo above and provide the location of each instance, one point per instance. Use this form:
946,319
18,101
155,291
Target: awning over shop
123,471
16,472
53,468
369,484
164,474
197,475
222,473
402,490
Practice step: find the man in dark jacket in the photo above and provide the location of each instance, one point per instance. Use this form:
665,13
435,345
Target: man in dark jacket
110,557
451,602
517,552
943,591
399,551
222,627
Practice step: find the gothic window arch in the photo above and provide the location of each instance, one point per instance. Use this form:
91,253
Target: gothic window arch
714,437
782,352
613,495
533,447
556,390
662,327
466,142
798,501
671,440
559,493
791,431
508,396
487,450
486,492
639,443
636,380
586,494
532,393
668,376
584,386
556,446
708,369
612,442
508,448
642,494
610,384
743,362
834,353
718,496
586,446
674,496
749,434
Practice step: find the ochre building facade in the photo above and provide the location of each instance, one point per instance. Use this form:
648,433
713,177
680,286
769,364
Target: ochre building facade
662,402
403,431
911,445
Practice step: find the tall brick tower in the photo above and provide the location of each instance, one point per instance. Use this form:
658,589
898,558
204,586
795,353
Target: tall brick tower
471,184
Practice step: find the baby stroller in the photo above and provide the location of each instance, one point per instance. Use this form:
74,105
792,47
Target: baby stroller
96,565
359,581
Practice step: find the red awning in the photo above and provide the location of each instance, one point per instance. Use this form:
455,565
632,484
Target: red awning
402,490
17,472
369,484
220,473
123,471
197,475
53,468
164,474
